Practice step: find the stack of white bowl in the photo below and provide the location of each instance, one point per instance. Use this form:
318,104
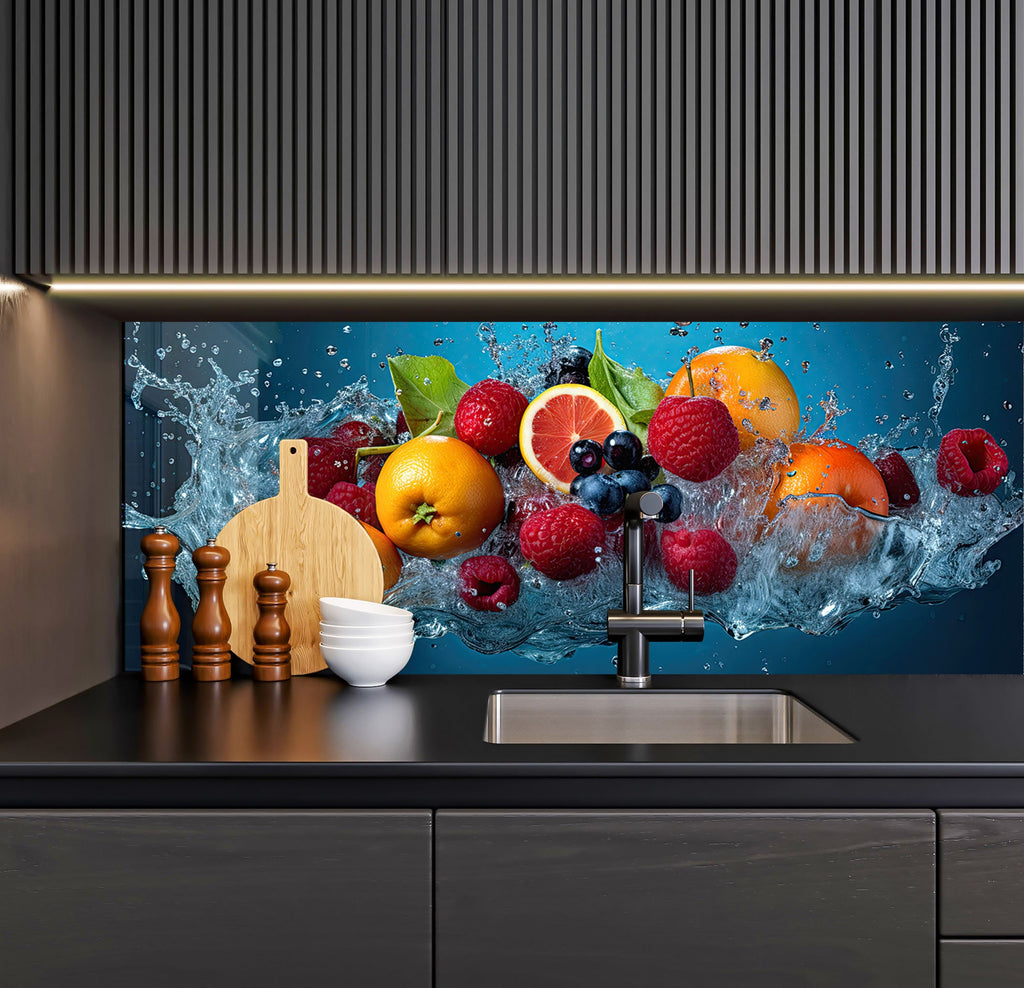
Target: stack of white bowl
362,642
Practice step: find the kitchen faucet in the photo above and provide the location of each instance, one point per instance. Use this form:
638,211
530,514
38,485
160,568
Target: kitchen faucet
633,627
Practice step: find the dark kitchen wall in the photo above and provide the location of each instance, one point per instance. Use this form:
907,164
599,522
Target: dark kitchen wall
499,136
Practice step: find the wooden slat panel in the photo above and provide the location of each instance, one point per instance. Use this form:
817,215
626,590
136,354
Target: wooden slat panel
505,136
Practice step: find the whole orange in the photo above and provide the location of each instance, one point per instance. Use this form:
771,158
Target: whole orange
755,389
829,468
437,497
390,560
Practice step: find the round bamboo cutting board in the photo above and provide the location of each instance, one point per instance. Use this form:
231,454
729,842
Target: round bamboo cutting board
322,548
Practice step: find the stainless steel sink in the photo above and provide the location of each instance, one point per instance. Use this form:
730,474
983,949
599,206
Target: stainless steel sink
655,717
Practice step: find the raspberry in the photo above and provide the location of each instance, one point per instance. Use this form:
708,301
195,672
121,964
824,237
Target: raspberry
899,481
704,551
323,466
694,438
357,501
488,583
347,438
563,542
970,462
487,416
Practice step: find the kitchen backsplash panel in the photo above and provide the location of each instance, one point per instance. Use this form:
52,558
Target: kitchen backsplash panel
807,558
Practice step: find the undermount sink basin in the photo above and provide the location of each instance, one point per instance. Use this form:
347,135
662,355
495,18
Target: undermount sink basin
655,717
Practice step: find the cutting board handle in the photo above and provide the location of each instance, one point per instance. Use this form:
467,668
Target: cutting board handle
293,468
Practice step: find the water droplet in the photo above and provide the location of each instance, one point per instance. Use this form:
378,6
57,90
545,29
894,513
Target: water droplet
888,365
439,342
804,364
908,395
255,392
1007,405
332,351
278,362
347,329
426,380
344,364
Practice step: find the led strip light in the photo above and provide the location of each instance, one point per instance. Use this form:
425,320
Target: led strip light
547,285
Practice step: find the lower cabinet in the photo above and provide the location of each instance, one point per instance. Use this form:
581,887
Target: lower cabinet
655,898
981,897
255,898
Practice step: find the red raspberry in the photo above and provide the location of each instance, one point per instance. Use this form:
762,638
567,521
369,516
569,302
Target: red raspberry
694,438
704,551
487,416
970,462
359,502
347,438
323,465
488,583
563,542
899,480
400,424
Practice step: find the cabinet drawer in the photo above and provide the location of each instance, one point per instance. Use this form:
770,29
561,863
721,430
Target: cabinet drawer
981,963
258,898
981,873
722,899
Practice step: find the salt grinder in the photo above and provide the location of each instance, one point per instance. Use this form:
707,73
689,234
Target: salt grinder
160,624
271,650
211,626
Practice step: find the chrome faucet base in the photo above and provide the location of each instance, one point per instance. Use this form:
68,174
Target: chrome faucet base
634,682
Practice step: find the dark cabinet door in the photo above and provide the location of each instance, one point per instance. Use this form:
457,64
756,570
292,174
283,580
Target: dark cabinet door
659,898
254,898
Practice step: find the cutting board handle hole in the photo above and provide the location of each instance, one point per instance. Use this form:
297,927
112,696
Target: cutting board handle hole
293,450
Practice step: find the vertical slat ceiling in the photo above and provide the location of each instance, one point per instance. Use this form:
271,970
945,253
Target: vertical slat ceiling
519,136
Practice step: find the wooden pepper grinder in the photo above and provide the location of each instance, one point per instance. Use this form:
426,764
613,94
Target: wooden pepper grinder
271,650
211,626
160,624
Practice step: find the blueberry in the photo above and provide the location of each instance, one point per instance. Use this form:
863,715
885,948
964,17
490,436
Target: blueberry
600,494
575,360
574,487
622,450
632,481
649,467
673,502
585,456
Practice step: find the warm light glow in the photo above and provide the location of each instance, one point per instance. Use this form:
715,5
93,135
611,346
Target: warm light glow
10,287
548,285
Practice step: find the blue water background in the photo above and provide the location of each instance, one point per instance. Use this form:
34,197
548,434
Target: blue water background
872,367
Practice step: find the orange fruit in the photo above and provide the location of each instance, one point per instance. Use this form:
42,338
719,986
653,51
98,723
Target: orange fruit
557,418
438,497
755,390
829,468
390,560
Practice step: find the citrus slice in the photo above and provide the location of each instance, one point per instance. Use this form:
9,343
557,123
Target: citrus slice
557,418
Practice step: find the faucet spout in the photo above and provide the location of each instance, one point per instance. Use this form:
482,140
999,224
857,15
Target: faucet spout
633,627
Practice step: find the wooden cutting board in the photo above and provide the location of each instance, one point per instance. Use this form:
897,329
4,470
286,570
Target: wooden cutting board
322,548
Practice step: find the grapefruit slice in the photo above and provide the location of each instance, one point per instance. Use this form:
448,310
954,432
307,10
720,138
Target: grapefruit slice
557,418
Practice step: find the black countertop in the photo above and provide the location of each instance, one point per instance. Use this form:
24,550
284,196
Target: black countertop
921,741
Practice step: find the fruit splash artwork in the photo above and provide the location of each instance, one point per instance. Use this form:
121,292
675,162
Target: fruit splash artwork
494,495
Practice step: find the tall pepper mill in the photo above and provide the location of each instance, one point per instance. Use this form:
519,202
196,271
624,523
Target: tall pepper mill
211,626
160,624
271,650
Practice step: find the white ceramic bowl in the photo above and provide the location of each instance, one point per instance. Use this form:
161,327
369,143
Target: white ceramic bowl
345,610
394,628
367,666
381,640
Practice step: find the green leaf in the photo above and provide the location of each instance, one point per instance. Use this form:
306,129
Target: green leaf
427,387
630,390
